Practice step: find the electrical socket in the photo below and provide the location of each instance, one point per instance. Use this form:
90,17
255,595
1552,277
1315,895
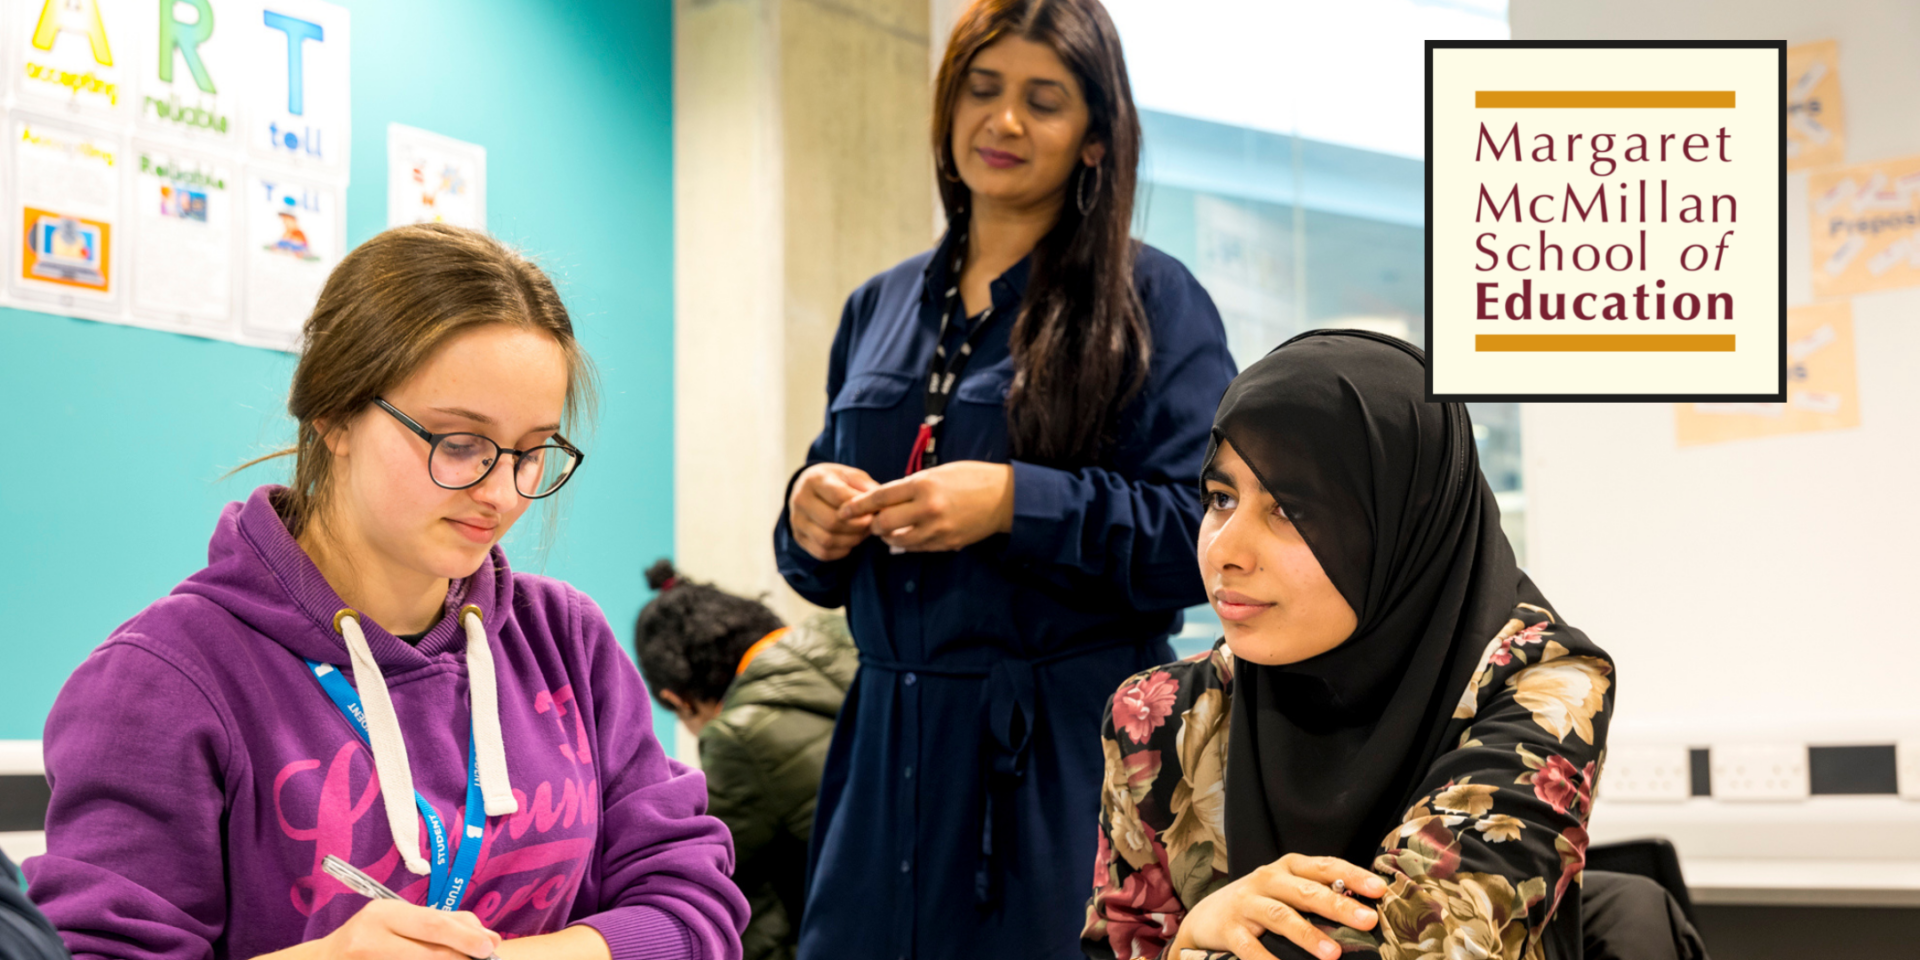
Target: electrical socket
1643,774
1907,765
1760,771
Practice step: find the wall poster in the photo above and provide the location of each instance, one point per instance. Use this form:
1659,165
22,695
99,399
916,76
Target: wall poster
175,164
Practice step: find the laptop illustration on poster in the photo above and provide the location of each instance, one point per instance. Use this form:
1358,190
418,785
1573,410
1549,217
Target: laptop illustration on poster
66,250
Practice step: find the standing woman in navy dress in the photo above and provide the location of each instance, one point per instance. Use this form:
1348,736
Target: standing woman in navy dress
1003,498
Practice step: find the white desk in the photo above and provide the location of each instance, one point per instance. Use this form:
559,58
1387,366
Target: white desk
1822,851
19,846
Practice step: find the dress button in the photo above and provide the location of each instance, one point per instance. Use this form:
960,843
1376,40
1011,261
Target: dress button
909,587
912,678
909,773
905,866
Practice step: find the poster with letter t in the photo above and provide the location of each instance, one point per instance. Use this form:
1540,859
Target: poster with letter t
297,105
295,233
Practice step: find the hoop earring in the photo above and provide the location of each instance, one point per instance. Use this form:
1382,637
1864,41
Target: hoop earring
1080,198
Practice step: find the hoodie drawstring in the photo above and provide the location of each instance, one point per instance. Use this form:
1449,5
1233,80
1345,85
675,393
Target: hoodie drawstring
390,749
484,697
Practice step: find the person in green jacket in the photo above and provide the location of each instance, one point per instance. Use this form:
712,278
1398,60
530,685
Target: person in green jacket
762,697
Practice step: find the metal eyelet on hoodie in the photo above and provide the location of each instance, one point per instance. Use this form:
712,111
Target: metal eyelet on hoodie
344,613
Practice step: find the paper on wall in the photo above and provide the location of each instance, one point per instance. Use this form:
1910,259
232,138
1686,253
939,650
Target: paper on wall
1816,119
294,233
190,69
1865,227
435,179
72,55
156,233
1822,392
183,252
297,105
65,210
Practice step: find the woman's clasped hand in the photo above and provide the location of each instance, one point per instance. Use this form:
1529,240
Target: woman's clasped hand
1279,898
948,507
819,493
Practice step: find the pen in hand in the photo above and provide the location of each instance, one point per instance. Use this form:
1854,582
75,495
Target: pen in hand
357,881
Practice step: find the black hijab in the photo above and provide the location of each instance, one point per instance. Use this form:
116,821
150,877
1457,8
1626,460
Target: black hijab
1386,489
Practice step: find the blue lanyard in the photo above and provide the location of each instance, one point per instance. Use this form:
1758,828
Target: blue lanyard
448,881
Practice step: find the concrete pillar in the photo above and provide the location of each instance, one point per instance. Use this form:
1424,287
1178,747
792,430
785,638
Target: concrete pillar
801,169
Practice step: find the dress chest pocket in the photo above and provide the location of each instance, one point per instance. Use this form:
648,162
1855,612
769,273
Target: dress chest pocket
871,390
988,386
976,426
869,419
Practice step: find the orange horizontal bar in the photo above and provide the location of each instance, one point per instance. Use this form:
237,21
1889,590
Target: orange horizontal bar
1603,343
1596,99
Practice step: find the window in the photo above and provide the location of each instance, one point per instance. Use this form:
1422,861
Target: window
1283,164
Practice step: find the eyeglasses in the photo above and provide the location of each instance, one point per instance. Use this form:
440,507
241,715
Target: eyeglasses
457,461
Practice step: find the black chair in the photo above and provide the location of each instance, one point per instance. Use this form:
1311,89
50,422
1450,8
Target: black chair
1654,858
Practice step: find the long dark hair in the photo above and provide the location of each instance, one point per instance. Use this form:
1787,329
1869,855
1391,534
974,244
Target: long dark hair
1081,344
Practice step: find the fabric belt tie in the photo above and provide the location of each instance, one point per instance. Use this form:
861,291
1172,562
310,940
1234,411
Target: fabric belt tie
1010,709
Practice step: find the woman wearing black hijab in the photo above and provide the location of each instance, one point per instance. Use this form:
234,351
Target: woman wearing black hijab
1394,747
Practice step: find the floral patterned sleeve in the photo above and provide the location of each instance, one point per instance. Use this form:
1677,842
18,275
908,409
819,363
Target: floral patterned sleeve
1162,813
1481,863
1484,859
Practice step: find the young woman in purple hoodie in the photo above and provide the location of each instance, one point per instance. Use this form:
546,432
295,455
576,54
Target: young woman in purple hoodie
358,673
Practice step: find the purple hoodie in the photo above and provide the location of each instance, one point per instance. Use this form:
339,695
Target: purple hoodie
200,774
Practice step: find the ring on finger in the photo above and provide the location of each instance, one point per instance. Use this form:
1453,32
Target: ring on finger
1340,887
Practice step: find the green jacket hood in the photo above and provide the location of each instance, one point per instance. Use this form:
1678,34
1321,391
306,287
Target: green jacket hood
809,669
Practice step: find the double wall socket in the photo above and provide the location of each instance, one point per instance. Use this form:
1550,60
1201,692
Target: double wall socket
1760,771
1647,774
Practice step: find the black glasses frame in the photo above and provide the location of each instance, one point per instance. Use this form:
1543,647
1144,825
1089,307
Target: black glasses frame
433,446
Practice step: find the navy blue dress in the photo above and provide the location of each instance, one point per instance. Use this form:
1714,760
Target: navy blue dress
959,808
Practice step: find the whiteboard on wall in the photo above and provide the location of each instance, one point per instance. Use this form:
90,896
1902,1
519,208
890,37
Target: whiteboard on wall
1753,589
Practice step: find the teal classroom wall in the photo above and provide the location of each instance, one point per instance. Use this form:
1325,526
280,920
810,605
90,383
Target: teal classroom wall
120,436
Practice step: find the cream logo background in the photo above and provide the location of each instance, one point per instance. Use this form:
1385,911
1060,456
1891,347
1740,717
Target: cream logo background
1605,221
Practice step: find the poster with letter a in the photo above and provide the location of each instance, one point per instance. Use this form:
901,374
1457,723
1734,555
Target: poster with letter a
189,70
72,55
1866,227
1822,391
65,214
182,273
297,109
294,234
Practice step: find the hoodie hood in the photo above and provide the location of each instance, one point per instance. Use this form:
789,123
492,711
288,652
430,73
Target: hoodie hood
259,573
809,670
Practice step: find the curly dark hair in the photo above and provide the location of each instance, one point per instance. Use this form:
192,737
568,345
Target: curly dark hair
690,636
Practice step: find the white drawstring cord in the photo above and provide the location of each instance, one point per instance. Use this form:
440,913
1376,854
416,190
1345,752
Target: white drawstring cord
484,697
389,750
